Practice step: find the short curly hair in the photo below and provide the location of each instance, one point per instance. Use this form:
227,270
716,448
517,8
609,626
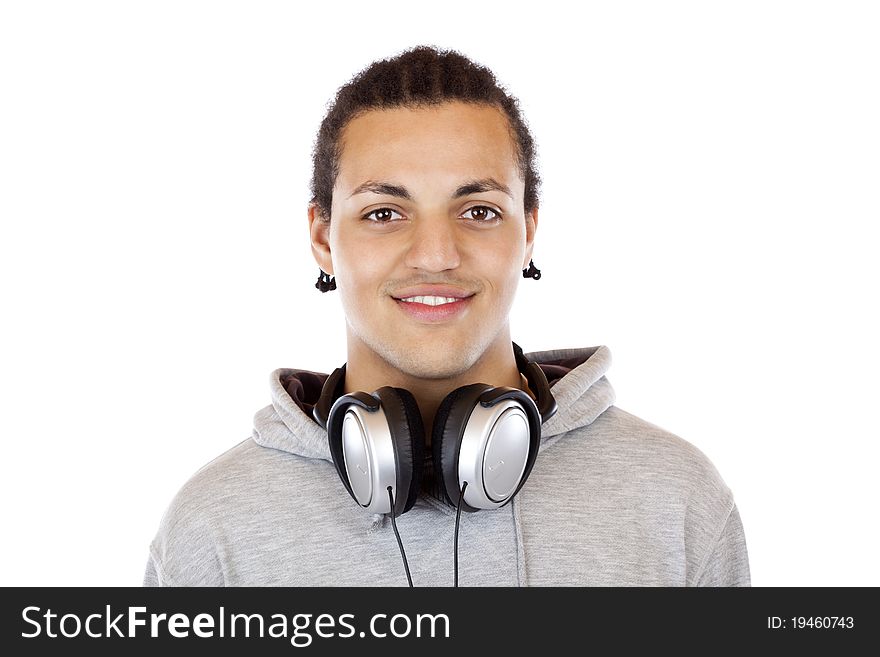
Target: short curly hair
417,77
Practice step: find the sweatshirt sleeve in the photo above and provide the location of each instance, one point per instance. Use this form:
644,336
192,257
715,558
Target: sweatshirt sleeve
184,550
151,577
728,561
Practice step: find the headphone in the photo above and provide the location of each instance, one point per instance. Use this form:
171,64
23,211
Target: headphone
484,441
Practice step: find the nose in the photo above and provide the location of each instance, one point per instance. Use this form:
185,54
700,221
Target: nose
433,245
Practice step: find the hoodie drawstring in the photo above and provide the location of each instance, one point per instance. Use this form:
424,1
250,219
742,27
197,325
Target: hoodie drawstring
378,521
520,548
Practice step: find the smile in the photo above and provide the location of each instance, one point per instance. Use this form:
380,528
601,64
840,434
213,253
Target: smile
430,301
431,309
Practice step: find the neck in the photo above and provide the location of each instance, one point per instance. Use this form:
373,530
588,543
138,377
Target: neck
368,370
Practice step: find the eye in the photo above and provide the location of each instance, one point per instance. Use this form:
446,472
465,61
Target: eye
480,214
383,215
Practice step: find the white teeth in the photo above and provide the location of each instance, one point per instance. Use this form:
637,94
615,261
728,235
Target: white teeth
430,301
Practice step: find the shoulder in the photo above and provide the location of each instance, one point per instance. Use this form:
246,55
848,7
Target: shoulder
673,476
183,550
230,474
246,472
654,452
629,461
220,499
646,486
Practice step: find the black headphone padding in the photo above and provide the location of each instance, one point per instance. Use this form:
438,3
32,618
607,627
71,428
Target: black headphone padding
452,412
408,437
333,388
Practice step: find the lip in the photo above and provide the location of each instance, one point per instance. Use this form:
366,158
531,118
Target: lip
445,312
432,291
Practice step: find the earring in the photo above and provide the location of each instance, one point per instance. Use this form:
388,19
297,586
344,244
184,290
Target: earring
325,283
532,271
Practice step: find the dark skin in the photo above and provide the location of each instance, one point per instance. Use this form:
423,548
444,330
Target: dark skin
479,242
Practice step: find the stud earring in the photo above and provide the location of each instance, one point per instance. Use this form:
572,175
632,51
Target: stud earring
325,283
532,271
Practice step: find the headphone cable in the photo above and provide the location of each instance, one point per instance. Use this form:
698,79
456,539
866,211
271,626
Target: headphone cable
399,542
457,518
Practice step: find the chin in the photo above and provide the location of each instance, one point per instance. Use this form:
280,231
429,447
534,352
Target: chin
429,359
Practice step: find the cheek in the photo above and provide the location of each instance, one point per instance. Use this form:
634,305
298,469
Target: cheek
501,268
501,282
359,261
360,278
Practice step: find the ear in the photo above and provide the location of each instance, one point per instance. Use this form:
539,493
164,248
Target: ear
531,229
319,235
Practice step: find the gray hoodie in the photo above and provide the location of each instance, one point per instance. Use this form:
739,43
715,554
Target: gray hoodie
612,500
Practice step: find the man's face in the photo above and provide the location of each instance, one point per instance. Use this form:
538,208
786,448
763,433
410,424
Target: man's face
380,243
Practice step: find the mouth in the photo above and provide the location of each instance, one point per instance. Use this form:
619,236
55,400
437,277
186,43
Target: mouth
434,310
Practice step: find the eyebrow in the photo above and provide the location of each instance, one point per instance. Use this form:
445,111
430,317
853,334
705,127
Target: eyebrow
470,187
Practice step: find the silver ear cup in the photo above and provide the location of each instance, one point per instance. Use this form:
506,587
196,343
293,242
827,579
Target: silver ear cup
369,458
494,453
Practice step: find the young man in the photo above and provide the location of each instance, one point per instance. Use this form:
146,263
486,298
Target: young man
425,210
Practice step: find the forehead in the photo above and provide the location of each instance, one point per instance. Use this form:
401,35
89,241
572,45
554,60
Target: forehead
455,140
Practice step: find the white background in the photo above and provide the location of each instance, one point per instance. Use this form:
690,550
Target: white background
709,213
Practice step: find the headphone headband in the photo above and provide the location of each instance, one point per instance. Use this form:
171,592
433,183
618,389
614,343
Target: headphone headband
537,382
333,388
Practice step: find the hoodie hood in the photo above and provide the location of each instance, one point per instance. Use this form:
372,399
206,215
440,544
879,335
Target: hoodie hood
576,377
